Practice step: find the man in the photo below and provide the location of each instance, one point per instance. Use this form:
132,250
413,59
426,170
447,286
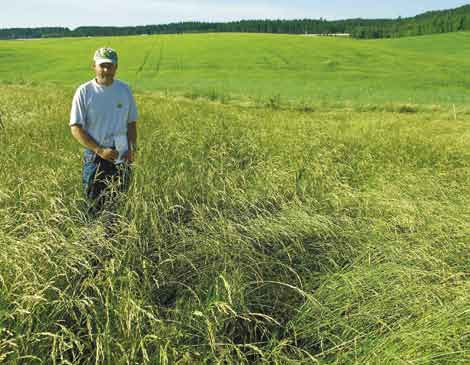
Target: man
103,120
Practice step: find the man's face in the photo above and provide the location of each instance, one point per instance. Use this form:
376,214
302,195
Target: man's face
105,72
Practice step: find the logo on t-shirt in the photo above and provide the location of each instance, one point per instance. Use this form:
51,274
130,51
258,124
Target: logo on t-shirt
120,105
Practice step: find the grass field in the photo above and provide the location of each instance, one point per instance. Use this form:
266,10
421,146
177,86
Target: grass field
429,69
295,201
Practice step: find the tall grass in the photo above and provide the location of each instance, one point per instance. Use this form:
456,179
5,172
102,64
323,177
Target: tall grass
249,236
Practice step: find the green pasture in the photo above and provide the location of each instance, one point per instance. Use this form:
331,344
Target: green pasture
420,70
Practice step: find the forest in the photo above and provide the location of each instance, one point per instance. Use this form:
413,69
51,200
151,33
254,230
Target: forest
432,22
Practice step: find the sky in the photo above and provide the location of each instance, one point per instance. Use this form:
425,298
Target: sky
74,13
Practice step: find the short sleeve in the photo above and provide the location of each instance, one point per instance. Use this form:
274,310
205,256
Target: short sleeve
78,111
133,114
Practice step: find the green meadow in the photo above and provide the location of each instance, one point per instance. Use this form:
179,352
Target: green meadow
429,69
295,200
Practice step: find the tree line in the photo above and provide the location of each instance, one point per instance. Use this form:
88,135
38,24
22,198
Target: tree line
427,23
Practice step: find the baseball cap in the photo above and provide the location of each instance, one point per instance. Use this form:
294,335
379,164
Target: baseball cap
105,55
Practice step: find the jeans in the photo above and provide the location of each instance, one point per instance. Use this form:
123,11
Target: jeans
103,181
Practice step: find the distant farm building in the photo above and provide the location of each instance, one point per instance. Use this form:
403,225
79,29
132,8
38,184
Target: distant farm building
328,34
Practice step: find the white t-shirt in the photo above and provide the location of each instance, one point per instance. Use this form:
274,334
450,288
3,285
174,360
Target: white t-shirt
104,112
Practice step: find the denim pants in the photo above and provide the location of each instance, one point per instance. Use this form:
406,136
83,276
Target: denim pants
103,181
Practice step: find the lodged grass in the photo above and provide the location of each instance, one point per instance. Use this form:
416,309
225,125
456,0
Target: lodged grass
251,235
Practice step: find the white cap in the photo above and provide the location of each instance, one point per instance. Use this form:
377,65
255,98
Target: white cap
105,55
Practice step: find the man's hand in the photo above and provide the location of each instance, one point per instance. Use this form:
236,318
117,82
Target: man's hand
109,154
86,141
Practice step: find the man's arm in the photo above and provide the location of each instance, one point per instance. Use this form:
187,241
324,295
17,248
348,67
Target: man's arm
86,141
132,140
